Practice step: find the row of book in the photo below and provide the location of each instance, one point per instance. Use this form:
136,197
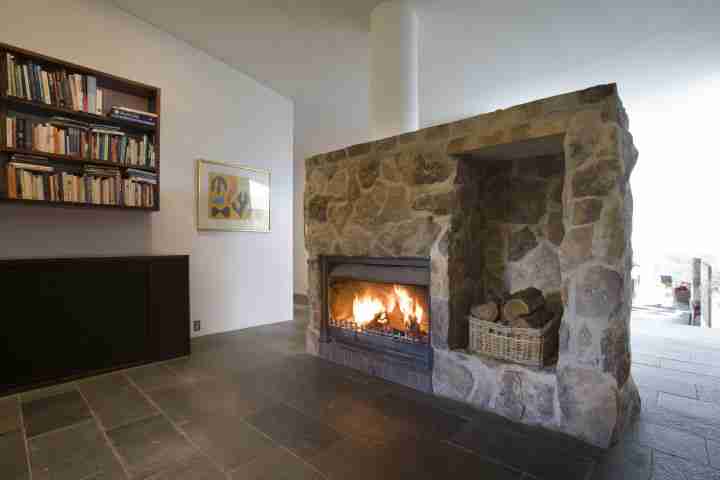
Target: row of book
34,178
110,144
59,135
73,91
68,137
59,88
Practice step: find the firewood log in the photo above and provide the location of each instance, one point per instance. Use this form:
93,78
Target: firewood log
487,311
523,302
538,319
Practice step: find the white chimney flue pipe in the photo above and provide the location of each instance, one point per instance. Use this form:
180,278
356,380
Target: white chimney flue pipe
393,69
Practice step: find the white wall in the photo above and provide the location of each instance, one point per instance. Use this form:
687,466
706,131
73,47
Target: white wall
209,110
342,118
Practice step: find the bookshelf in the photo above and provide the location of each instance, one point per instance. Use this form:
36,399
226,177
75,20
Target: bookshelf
75,137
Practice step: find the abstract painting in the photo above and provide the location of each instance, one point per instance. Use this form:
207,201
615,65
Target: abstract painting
233,198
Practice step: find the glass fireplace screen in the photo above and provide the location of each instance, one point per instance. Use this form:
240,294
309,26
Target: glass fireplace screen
386,309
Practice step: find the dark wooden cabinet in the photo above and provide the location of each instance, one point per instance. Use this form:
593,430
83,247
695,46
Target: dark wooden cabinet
68,318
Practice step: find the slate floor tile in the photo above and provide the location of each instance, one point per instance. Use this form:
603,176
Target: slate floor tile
690,367
421,459
679,421
627,460
208,397
673,376
150,446
294,430
694,408
151,377
9,414
50,413
669,467
73,453
714,453
13,459
645,359
279,464
358,459
39,393
195,468
229,441
652,378
522,452
708,394
708,357
671,441
115,401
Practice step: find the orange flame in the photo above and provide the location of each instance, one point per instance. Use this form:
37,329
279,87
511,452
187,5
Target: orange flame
366,309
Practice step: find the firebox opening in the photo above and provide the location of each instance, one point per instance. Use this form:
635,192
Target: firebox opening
398,311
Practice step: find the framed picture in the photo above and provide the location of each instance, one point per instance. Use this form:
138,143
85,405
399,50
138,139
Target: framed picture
232,198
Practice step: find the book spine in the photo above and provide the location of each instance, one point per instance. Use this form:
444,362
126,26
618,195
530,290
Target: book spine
92,94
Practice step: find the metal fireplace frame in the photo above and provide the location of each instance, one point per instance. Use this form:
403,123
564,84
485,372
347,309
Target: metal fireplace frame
419,356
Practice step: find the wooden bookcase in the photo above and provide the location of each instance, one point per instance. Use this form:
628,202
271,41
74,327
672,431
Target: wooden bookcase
116,92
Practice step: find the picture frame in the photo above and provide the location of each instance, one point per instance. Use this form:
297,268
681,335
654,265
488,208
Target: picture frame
232,198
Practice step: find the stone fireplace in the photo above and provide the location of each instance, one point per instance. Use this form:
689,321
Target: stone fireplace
406,233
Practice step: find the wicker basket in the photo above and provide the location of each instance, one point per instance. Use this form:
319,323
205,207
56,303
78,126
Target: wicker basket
529,346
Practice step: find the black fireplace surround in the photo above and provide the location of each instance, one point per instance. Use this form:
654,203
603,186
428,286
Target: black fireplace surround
408,271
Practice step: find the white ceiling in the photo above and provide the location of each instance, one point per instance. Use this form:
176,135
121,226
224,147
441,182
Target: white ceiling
298,48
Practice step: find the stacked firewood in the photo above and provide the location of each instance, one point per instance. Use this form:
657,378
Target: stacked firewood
523,309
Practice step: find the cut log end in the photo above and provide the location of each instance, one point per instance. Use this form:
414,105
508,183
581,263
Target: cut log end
487,312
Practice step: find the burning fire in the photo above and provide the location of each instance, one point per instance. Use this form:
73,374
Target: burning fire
368,308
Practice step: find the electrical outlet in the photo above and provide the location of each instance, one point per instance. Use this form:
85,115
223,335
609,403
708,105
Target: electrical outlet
196,326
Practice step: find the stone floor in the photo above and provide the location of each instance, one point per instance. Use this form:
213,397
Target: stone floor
252,405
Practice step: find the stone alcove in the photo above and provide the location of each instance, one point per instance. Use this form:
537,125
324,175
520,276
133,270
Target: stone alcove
537,193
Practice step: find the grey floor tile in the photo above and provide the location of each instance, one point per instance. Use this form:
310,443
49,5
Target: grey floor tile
229,441
115,401
671,441
357,459
646,359
709,394
50,413
150,446
690,407
714,452
195,468
39,393
708,357
208,397
679,421
13,458
294,430
9,414
673,376
690,367
279,464
526,453
668,467
655,379
151,377
627,460
73,453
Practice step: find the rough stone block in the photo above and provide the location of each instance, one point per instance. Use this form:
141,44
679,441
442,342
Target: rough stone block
588,401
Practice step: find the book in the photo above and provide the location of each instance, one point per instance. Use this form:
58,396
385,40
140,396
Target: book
135,112
92,94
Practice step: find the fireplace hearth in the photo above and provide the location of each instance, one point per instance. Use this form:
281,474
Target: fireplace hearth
405,234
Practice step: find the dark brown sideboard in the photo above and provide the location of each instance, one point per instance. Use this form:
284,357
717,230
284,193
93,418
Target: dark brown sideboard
68,318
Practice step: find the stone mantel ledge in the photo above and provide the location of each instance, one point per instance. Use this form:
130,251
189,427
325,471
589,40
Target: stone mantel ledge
407,196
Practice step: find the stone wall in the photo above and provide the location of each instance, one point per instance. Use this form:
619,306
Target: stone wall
537,194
